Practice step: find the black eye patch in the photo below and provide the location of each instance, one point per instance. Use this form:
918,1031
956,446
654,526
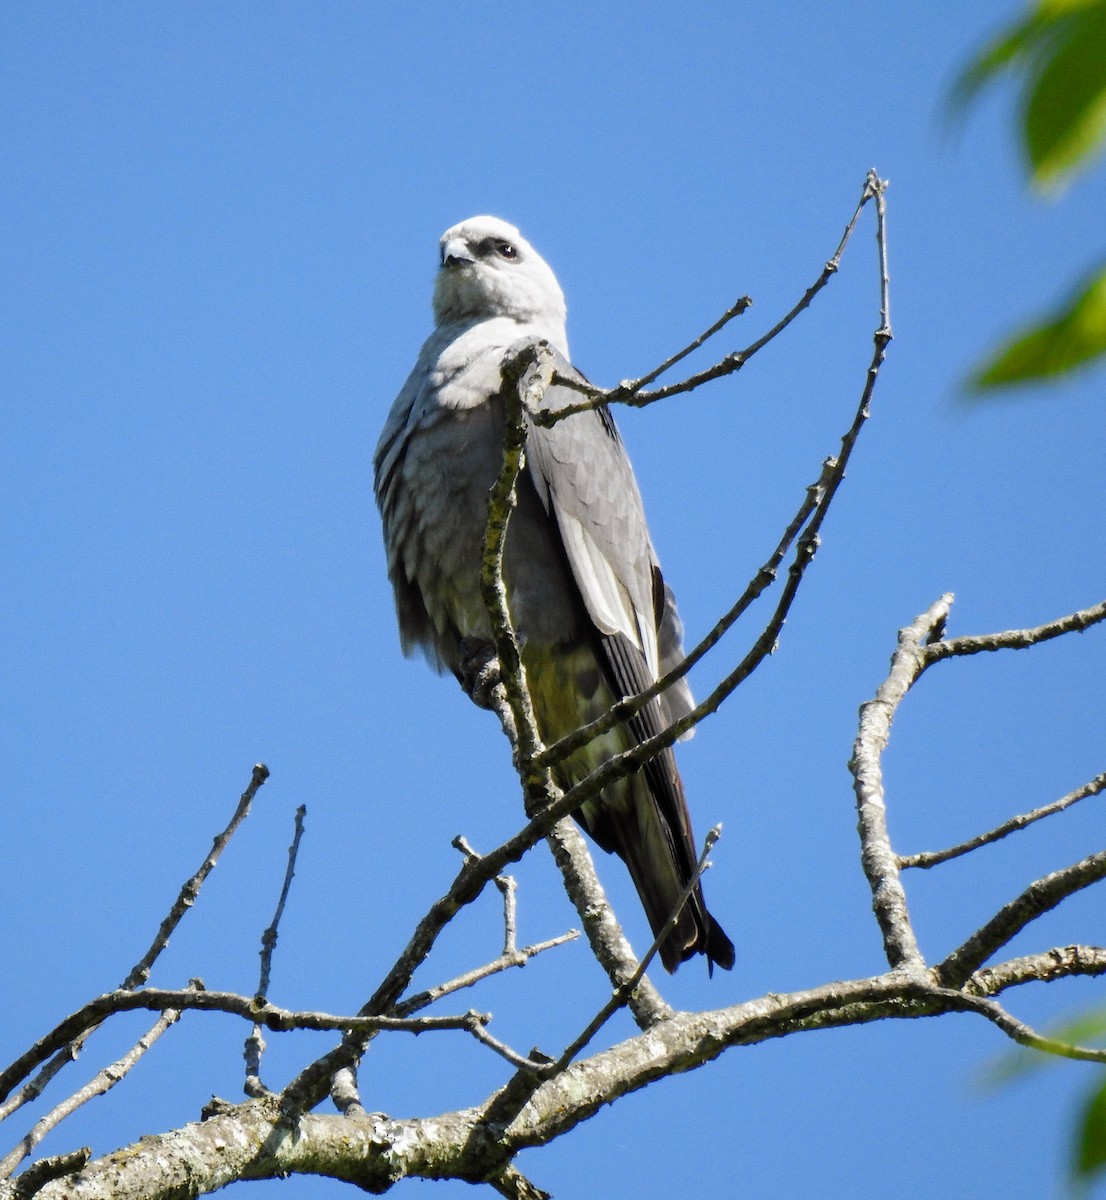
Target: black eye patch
499,247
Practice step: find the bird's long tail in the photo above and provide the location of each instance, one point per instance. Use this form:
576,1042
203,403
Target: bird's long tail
661,873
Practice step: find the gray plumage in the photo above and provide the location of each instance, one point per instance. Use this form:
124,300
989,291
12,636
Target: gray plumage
593,614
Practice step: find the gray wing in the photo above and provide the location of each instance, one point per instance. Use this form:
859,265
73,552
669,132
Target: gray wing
415,506
583,477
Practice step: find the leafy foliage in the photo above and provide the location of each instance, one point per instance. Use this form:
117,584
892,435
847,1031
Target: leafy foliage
1071,336
1089,1154
1059,52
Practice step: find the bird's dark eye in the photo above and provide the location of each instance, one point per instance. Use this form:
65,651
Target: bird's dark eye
505,250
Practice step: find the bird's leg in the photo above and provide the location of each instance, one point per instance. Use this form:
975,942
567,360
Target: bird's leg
479,673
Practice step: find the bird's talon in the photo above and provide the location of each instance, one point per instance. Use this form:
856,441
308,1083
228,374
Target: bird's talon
479,670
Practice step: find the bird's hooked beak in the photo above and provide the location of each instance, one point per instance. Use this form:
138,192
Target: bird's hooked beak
455,253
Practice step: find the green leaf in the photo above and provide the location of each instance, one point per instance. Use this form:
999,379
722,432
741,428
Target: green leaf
1001,54
1090,1147
1065,106
1051,9
1059,52
1074,335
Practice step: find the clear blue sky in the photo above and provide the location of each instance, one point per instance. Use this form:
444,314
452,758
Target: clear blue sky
220,227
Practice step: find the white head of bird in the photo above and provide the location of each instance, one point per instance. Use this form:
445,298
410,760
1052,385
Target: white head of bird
488,269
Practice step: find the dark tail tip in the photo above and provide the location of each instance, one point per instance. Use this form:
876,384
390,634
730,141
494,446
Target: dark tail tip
719,949
711,941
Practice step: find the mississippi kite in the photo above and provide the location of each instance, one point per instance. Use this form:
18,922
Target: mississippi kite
594,618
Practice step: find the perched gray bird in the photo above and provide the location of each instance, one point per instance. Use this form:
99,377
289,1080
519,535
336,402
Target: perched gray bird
594,618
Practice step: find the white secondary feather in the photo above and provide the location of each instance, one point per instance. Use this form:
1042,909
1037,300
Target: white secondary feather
607,600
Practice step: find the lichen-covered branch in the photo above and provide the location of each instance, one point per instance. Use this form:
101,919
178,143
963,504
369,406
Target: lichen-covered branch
1039,897
879,861
1061,962
1017,639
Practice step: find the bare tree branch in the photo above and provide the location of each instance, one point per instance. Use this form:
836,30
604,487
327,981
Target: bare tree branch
101,1083
630,393
41,1172
1023,1034
880,863
628,386
255,1043
527,372
515,958
1039,897
1058,963
931,858
140,972
1017,639
259,1139
252,1008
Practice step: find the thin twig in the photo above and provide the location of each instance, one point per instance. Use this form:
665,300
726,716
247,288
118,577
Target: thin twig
628,386
1018,1031
930,858
140,972
1017,639
874,188
480,1032
623,394
100,1084
269,937
517,958
250,1007
622,994
255,1043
